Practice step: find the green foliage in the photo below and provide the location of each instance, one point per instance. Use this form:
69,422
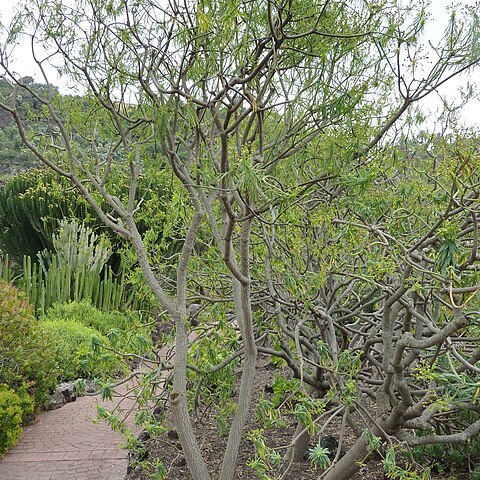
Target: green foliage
80,352
319,456
125,331
31,204
160,471
224,415
43,217
406,472
154,469
285,390
14,408
162,221
323,352
373,442
90,316
78,246
14,157
448,253
268,414
304,415
289,398
25,348
10,418
61,284
75,271
451,457
34,203
278,130
266,459
208,352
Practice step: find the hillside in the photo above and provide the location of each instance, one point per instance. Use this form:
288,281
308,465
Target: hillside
14,157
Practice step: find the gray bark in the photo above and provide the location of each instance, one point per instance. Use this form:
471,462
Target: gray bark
301,440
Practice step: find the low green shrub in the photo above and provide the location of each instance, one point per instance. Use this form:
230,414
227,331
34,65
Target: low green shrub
80,351
126,332
26,352
86,314
14,408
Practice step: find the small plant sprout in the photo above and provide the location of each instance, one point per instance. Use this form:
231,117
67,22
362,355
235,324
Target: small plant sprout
319,456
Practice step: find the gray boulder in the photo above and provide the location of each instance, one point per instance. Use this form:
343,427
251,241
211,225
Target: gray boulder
63,394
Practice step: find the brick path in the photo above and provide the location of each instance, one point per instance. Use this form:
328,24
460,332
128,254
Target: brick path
66,444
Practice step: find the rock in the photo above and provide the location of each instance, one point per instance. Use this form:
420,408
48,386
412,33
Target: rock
159,412
268,388
332,444
192,311
271,366
56,400
68,391
90,386
165,328
63,394
161,330
135,473
144,436
136,456
180,462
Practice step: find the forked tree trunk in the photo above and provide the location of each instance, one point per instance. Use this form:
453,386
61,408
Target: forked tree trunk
241,294
177,310
178,402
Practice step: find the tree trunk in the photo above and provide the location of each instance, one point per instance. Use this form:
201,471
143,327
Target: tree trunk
301,439
178,397
347,465
178,402
243,310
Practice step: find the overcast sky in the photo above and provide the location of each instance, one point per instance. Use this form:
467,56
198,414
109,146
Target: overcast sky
439,15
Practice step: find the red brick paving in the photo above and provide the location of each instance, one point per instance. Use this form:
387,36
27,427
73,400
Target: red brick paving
66,444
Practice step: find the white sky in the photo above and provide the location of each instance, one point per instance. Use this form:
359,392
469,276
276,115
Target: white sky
439,15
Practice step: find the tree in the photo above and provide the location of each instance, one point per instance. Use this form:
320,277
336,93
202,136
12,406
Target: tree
380,301
256,108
